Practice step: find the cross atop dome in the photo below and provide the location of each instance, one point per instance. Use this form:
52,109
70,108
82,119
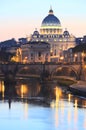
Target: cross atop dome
50,11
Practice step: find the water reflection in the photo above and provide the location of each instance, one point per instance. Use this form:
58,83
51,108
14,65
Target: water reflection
28,89
69,97
33,88
63,101
65,111
76,103
2,88
26,106
9,102
22,90
69,116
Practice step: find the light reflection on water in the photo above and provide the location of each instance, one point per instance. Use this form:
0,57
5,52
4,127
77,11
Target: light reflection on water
66,112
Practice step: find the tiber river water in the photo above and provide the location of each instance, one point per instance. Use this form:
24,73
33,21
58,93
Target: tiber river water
65,111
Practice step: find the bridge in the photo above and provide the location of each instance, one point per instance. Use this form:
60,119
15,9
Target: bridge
43,70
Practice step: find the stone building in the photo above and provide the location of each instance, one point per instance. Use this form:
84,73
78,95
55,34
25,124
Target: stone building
51,31
35,52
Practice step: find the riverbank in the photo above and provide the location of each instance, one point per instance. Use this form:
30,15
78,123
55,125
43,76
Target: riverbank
78,88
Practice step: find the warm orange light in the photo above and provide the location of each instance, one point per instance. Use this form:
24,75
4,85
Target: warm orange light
69,97
0,88
61,58
85,66
58,93
24,90
3,89
76,103
83,54
75,55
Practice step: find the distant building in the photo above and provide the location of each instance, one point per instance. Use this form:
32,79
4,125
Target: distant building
35,52
50,44
76,54
80,40
51,32
22,40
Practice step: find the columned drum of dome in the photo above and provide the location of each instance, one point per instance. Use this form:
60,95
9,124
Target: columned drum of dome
51,25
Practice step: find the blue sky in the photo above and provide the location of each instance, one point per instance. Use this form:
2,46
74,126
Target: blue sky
19,18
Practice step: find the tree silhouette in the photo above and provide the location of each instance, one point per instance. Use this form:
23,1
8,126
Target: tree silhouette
5,56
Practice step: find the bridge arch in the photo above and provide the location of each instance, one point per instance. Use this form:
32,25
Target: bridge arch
29,70
65,71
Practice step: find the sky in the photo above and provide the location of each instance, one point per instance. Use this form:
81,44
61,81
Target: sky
19,18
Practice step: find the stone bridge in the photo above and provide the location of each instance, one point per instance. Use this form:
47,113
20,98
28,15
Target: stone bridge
47,69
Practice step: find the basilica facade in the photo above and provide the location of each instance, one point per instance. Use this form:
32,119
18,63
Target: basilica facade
51,32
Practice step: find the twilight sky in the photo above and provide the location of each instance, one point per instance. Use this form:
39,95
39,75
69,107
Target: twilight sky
19,18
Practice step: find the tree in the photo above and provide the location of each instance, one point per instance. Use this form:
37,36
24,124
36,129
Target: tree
5,56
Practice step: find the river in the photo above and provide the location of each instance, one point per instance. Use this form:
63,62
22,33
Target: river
27,111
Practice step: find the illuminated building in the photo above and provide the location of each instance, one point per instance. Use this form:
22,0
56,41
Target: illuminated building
51,31
48,44
35,52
